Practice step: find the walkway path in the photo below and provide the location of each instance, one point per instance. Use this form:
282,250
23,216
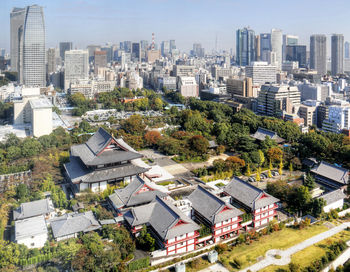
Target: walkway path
286,254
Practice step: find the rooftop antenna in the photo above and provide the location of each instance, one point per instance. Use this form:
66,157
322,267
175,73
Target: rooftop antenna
216,43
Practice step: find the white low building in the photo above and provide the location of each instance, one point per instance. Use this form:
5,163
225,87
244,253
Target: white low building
334,200
31,232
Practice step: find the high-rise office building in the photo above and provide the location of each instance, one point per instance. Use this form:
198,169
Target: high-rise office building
347,50
127,46
296,53
265,46
144,45
276,46
318,53
198,50
109,52
16,21
261,72
91,49
172,45
257,48
136,52
165,48
337,54
100,60
51,60
65,46
245,46
288,40
76,66
32,48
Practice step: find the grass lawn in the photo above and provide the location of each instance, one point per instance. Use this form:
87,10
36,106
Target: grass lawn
248,254
305,257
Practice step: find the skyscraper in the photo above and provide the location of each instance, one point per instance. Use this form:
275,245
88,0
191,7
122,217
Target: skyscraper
245,46
136,52
276,46
65,46
100,60
165,48
347,50
318,53
16,21
288,40
76,66
337,54
51,60
172,45
33,53
265,46
296,53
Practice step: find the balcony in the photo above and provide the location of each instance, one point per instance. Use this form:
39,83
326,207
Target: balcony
228,224
227,232
196,234
269,209
268,215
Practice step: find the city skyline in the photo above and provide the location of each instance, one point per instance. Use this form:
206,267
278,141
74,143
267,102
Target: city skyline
67,20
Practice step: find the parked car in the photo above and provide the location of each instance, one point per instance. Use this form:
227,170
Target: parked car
251,179
275,173
263,176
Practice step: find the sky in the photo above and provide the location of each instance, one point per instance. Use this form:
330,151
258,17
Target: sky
187,21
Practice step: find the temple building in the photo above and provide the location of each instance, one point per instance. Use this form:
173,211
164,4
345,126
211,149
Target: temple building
102,160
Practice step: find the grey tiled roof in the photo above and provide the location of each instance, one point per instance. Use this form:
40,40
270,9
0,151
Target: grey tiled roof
248,194
128,196
30,227
162,216
210,206
77,172
332,172
333,196
90,152
262,133
33,208
72,223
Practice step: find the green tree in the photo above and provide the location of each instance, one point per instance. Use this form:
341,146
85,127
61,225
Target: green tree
309,181
199,144
145,241
13,153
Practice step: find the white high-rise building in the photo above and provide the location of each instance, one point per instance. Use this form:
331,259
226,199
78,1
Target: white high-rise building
76,66
261,72
188,87
276,46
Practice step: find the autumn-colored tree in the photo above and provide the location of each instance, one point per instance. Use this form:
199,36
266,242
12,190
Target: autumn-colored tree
234,163
199,144
258,173
280,169
248,172
275,154
220,149
152,137
180,135
134,125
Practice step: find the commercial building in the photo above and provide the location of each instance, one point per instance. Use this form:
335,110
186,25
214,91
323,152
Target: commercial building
100,60
165,48
34,109
276,46
288,40
318,53
153,55
310,91
274,100
102,160
296,53
76,66
338,119
89,88
198,50
240,87
245,46
265,46
261,72
183,70
136,52
65,46
28,45
257,203
16,27
188,86
322,112
51,60
337,54
308,113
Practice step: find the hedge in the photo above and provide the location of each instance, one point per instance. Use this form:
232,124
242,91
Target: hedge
139,264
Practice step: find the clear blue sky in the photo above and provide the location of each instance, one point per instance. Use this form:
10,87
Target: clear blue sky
187,21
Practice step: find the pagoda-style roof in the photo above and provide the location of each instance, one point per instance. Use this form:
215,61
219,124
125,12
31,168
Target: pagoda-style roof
103,148
78,172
